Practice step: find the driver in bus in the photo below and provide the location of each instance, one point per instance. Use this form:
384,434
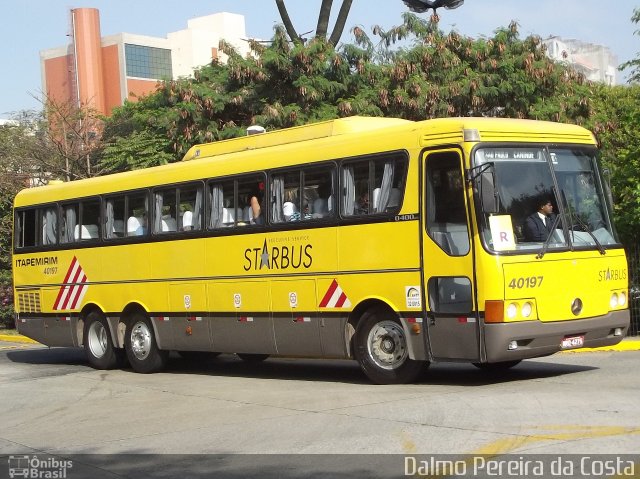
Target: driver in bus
538,225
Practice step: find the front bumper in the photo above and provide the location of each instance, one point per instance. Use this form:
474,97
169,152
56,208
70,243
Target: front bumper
537,338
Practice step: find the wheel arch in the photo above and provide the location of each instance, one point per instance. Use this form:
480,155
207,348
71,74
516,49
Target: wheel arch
129,311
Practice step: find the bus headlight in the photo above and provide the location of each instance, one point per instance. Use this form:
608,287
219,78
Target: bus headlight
512,310
613,302
527,309
622,299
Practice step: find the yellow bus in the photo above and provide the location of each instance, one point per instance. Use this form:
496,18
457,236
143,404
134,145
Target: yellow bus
392,242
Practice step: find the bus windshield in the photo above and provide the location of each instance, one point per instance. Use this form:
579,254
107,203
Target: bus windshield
541,198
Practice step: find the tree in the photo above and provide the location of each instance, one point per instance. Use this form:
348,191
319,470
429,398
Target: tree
16,168
73,134
285,84
635,63
616,124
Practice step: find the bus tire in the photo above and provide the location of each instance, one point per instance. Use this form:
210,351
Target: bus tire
382,350
98,344
497,367
252,358
141,346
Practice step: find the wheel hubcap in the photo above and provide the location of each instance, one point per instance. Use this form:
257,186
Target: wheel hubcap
140,340
97,339
387,345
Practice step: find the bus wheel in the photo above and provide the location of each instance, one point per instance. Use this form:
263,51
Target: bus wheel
142,349
382,351
252,358
497,367
98,345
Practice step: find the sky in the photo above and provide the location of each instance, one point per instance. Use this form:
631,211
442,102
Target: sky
29,26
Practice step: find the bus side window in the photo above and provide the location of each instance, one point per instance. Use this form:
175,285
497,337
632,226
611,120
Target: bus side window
285,200
191,206
389,177
70,218
49,226
165,211
222,211
318,191
372,186
137,214
252,206
114,217
25,229
355,188
89,227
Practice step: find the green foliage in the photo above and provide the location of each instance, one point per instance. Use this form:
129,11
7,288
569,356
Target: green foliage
285,84
635,63
15,144
616,124
7,313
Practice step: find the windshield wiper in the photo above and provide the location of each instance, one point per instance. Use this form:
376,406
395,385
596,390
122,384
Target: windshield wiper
581,224
586,229
545,246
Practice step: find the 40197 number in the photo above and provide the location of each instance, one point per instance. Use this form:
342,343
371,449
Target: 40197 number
526,282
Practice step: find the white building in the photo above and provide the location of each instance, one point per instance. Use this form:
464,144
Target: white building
595,62
198,44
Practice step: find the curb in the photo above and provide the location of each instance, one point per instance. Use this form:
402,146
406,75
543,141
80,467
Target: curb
626,344
17,338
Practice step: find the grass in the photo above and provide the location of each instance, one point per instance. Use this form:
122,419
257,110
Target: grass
8,331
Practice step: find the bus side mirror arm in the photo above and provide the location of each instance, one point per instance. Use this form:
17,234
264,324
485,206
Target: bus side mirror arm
483,177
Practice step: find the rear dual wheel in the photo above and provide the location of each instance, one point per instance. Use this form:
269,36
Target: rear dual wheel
141,346
98,345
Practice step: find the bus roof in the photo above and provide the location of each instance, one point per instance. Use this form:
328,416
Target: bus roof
252,149
461,129
296,134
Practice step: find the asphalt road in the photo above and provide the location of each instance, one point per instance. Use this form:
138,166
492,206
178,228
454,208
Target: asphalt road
298,411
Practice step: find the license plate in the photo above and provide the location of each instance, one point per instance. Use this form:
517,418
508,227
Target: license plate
572,342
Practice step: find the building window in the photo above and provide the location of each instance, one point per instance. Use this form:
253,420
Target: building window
148,62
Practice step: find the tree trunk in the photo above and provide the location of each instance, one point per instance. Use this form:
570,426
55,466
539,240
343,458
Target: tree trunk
340,22
284,15
323,19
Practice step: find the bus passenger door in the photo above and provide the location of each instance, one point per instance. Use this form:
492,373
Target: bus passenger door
447,260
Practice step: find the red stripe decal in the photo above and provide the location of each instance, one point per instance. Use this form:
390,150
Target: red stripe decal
78,290
56,305
329,293
74,289
341,300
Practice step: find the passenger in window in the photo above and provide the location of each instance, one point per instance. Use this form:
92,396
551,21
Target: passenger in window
168,220
187,221
289,205
296,216
362,205
255,200
322,204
